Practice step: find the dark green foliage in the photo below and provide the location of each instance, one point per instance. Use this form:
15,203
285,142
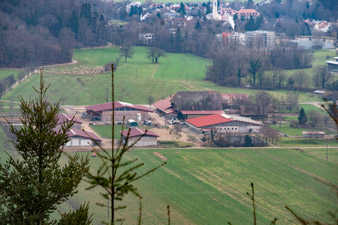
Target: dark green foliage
253,24
155,53
302,118
77,217
248,141
182,10
34,185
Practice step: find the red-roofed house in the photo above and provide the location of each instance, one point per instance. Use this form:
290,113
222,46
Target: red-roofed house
246,13
222,123
79,138
103,112
149,137
64,118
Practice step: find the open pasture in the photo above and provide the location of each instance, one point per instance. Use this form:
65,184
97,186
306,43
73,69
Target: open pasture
208,186
84,84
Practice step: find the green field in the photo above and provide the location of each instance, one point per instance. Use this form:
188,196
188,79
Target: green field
208,186
6,72
104,131
307,142
308,108
135,81
290,131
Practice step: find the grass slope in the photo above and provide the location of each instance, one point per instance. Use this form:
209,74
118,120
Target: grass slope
104,131
135,80
208,186
6,72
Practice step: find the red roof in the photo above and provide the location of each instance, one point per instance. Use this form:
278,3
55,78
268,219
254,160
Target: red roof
201,112
225,35
135,132
63,118
80,133
247,11
118,104
164,105
204,121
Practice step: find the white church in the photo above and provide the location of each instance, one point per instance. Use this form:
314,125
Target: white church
216,16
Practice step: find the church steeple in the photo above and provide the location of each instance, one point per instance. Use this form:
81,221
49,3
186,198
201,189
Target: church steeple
214,9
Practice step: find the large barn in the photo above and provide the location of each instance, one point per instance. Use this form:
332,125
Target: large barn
79,138
149,138
103,112
222,123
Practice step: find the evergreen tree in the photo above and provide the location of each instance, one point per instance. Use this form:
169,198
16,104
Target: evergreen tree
247,141
182,10
32,186
116,175
302,118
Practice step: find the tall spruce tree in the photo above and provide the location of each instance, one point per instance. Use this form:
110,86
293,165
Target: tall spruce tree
302,118
34,184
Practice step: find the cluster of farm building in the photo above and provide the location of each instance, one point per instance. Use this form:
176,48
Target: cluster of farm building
202,112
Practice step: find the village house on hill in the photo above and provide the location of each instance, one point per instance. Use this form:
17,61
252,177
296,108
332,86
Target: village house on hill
103,112
148,139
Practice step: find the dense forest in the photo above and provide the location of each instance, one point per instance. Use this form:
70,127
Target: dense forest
41,32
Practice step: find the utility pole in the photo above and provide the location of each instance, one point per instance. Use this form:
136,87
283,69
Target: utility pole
327,151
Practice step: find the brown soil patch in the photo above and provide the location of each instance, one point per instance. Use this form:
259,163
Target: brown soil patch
160,156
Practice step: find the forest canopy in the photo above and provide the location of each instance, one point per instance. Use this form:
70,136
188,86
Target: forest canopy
41,32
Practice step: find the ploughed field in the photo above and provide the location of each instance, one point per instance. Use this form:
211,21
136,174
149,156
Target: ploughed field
208,186
85,83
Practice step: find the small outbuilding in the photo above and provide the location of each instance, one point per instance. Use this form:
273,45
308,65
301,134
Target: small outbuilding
149,137
79,138
313,134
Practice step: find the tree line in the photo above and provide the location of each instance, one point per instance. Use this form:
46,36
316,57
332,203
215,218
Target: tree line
41,32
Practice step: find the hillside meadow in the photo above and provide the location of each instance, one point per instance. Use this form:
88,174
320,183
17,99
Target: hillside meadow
208,186
136,80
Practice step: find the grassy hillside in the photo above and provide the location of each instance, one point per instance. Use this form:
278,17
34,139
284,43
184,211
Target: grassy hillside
6,72
83,84
209,186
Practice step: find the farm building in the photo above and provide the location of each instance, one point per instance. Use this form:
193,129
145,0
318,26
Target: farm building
332,66
149,138
103,112
188,114
64,118
189,104
164,108
222,123
79,138
313,134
